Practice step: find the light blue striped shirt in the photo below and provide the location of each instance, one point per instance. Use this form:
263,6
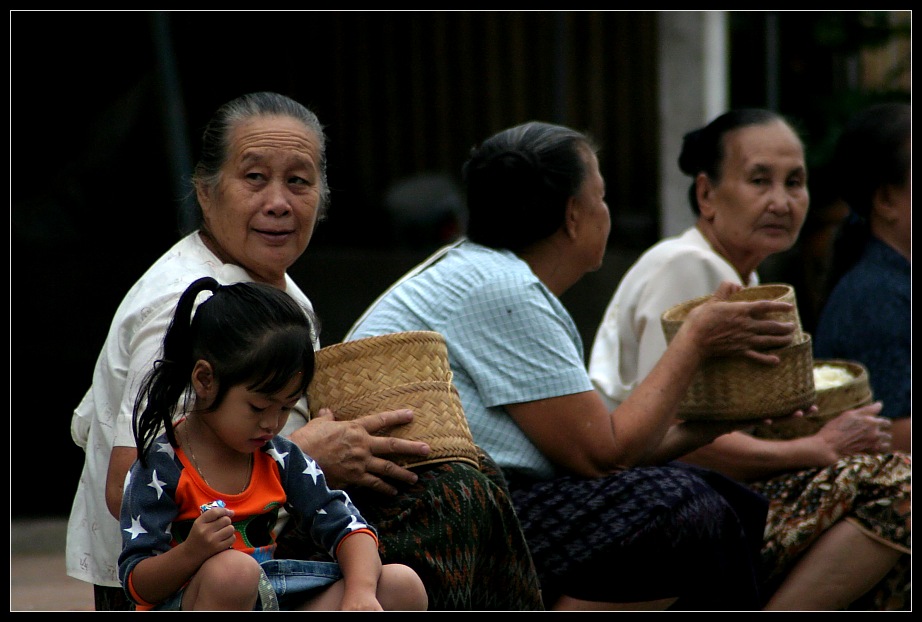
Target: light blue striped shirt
509,338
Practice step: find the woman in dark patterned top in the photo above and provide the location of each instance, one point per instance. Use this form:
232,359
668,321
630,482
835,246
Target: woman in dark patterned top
867,315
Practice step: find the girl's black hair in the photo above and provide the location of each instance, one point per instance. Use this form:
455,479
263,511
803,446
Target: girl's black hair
703,149
251,334
518,183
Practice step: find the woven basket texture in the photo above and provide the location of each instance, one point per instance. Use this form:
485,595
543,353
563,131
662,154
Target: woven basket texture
738,388
673,317
831,402
393,372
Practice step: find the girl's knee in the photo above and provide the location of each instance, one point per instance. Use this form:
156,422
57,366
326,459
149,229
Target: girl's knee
401,589
231,572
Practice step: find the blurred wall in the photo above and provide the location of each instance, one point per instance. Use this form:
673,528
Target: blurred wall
105,108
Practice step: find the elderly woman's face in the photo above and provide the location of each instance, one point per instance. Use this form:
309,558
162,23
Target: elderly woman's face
263,211
759,204
591,197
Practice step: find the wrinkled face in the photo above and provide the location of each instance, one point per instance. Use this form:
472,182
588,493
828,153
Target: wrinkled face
263,211
759,204
596,221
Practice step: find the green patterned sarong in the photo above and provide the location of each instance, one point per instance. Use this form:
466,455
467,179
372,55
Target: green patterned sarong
457,528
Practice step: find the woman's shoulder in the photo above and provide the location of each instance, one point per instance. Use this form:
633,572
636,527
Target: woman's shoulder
174,270
686,260
508,290
168,277
469,256
868,281
487,273
691,244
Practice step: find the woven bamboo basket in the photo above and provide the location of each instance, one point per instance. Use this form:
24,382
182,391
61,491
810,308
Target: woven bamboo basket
830,401
673,317
393,372
738,388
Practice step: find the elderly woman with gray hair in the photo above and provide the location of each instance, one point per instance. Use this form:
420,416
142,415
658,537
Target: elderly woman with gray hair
611,523
839,521
262,187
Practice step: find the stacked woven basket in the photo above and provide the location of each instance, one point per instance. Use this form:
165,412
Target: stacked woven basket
738,388
850,389
394,372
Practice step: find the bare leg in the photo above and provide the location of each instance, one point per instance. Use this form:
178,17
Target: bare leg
228,581
330,599
399,589
841,566
568,603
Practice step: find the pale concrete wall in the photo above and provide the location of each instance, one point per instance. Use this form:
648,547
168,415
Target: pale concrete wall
693,68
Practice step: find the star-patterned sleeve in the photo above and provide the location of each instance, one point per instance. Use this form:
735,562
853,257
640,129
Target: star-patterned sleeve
329,514
148,508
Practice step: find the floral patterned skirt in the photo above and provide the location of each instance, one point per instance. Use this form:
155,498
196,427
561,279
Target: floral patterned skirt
874,492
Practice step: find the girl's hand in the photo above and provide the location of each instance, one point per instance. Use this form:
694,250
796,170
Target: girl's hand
212,532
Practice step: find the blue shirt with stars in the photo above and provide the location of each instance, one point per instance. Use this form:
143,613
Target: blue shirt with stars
163,499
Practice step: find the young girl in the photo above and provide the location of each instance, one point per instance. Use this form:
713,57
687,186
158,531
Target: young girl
201,502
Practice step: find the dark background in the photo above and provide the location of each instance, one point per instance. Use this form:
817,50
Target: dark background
106,107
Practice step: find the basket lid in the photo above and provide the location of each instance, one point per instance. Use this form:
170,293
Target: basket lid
673,317
831,402
392,372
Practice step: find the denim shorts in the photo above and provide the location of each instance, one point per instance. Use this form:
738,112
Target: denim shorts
294,580
286,585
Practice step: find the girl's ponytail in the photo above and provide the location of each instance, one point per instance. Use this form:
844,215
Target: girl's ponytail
168,381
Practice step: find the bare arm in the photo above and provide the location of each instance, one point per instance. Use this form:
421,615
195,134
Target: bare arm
145,348
157,577
361,565
579,433
120,461
745,458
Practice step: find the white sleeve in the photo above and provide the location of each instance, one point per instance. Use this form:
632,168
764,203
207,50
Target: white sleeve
145,348
685,277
